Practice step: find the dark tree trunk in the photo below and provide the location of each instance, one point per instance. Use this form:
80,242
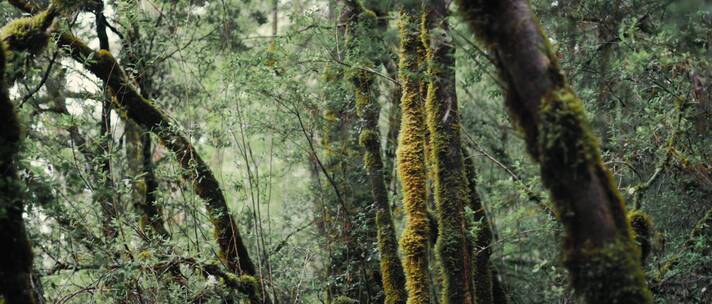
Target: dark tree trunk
16,255
600,254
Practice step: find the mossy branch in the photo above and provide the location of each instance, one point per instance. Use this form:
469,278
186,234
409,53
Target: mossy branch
102,64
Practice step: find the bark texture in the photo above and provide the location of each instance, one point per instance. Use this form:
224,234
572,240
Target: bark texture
599,250
483,276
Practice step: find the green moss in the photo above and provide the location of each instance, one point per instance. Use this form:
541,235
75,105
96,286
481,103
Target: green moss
642,226
446,161
603,261
484,286
344,300
411,166
602,274
29,33
392,275
566,144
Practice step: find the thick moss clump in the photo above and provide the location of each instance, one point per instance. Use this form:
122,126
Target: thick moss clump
642,226
411,165
602,274
29,34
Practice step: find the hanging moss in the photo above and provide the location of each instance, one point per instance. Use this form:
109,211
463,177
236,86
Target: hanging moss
642,226
411,165
28,34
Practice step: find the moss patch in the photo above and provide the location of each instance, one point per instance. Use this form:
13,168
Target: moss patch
29,33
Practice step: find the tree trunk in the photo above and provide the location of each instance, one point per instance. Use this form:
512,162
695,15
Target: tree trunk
411,164
446,161
368,110
16,255
602,259
483,275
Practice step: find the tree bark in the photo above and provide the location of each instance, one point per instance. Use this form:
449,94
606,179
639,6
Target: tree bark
602,259
368,110
446,161
16,255
483,275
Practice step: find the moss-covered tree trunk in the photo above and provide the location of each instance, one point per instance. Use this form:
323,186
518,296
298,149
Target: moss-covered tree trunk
16,254
599,252
411,163
391,268
139,156
447,165
368,38
483,275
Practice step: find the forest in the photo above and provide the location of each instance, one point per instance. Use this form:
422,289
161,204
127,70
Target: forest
356,151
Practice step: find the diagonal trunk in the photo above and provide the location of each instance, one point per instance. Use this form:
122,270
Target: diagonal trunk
602,259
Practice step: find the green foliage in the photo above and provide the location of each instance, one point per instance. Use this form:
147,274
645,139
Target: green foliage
264,109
